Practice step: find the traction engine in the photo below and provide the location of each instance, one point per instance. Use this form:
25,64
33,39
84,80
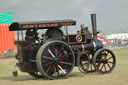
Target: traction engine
54,53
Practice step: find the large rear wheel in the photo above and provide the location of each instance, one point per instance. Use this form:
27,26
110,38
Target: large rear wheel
55,60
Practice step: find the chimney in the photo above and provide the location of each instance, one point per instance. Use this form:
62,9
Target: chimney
94,26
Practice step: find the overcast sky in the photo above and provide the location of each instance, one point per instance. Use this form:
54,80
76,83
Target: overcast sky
111,14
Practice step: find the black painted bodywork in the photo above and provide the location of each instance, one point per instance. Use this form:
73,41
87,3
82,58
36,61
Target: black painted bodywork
27,49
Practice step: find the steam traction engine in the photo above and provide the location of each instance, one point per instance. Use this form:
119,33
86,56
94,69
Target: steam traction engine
55,53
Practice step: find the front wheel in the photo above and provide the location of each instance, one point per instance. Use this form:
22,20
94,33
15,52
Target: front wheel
55,60
104,61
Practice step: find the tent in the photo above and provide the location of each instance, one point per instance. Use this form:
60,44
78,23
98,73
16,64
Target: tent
6,37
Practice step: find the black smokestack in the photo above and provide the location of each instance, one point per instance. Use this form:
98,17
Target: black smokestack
94,26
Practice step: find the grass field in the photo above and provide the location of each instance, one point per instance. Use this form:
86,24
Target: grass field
118,77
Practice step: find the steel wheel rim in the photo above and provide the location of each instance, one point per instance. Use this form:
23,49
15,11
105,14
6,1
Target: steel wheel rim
57,60
83,64
105,61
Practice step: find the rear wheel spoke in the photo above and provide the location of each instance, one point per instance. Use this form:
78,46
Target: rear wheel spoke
47,57
46,61
55,71
62,69
51,53
60,54
63,59
52,68
60,50
48,64
48,68
65,55
65,63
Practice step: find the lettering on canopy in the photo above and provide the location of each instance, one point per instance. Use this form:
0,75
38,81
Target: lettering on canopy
45,25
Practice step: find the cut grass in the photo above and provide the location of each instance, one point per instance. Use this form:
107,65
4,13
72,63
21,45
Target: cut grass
7,65
121,54
118,77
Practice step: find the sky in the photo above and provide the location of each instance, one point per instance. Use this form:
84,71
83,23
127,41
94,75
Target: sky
112,15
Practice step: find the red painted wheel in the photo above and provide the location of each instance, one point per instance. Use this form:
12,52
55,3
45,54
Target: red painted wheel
55,60
105,39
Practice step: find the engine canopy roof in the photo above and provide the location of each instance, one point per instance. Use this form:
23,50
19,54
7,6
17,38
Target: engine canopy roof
41,24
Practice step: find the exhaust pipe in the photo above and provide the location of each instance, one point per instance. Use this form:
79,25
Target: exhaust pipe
94,26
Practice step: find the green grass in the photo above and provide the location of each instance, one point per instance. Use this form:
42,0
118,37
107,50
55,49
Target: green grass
6,65
118,77
121,54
